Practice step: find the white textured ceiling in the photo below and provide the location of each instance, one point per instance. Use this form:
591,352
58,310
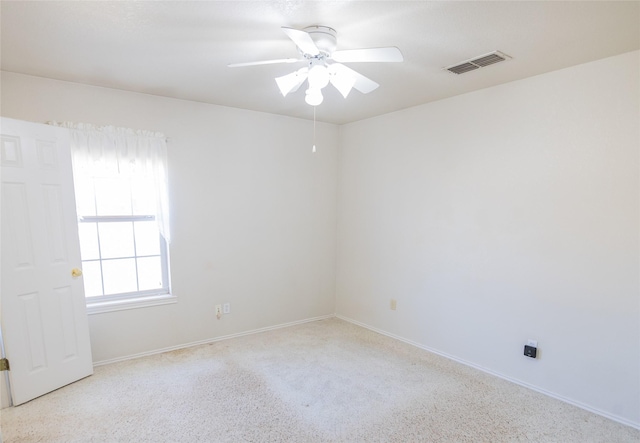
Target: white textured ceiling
181,49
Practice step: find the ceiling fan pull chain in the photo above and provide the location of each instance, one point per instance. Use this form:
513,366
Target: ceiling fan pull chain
314,130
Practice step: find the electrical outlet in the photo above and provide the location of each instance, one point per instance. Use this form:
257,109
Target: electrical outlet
531,348
530,351
393,305
226,308
218,311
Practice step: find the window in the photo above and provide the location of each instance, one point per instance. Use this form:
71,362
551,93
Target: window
123,253
120,187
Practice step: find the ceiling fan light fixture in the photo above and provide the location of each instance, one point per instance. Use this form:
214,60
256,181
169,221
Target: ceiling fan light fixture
318,76
313,96
291,82
342,80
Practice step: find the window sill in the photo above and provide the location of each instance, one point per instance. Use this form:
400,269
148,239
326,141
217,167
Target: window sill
99,307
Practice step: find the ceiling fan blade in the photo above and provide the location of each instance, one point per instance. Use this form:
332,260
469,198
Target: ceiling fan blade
291,82
265,62
389,54
361,83
302,40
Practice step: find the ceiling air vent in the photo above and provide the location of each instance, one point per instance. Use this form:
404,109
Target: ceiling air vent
478,62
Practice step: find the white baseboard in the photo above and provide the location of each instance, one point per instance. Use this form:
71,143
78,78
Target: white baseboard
613,417
209,340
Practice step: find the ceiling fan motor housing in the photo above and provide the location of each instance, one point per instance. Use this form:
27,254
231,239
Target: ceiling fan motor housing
324,37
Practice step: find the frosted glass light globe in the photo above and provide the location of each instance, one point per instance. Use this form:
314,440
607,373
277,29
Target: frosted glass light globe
318,76
313,97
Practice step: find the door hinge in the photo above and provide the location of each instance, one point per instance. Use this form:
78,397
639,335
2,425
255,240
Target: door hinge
4,364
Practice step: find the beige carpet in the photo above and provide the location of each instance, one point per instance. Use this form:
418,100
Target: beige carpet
325,381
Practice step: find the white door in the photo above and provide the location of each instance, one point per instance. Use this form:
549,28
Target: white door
44,319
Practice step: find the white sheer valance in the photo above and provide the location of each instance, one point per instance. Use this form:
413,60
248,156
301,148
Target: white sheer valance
113,151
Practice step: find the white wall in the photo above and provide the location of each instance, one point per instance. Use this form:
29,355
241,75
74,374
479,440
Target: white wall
502,215
253,212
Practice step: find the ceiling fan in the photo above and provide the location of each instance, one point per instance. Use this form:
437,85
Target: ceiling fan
317,46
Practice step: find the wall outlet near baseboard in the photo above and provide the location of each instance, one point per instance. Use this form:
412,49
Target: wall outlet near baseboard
218,311
530,351
226,308
531,348
393,305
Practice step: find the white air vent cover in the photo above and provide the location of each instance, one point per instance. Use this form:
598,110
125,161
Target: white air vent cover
478,62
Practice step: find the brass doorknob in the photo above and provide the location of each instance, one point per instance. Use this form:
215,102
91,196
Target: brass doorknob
75,272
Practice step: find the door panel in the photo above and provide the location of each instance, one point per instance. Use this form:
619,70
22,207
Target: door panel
44,320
